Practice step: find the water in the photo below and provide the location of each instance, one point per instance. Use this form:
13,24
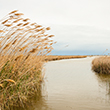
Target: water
71,85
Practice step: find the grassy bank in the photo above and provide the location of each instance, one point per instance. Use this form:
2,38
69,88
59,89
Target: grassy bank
60,57
101,65
23,48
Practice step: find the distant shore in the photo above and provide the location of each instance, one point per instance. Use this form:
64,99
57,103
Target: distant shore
60,57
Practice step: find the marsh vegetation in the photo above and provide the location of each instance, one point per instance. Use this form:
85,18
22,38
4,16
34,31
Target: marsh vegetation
60,57
23,47
101,65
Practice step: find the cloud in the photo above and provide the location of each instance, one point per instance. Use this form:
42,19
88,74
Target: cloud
82,24
81,38
75,12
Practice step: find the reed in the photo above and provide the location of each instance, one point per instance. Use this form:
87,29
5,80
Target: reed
22,54
101,65
60,57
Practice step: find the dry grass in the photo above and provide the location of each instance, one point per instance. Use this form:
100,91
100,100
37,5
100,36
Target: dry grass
101,65
55,57
23,47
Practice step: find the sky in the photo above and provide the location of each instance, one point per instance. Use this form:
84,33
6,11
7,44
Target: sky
81,27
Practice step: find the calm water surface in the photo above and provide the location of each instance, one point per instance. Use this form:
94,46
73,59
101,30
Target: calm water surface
71,85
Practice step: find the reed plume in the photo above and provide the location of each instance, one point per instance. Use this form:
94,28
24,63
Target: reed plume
13,11
23,48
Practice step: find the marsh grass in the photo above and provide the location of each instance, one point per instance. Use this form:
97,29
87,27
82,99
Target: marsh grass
23,48
101,65
60,57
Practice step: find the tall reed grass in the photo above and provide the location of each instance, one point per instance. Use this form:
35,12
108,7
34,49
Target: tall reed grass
101,65
60,57
23,47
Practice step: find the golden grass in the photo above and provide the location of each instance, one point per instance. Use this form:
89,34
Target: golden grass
101,65
60,57
21,59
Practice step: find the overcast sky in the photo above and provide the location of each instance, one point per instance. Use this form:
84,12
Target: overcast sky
83,25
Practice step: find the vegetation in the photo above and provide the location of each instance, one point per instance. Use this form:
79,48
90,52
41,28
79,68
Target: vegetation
23,47
60,57
101,65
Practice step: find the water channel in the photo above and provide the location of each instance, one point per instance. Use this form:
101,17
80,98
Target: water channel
72,85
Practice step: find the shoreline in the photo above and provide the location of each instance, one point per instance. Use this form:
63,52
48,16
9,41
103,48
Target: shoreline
61,57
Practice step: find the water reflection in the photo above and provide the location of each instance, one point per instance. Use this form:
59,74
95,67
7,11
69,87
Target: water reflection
104,82
38,102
